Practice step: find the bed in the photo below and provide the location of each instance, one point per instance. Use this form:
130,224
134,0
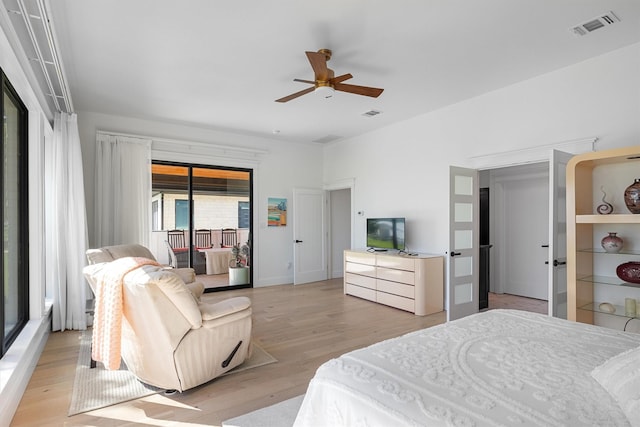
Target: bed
497,368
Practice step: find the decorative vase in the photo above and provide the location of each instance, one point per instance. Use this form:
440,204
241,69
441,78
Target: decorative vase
605,208
629,272
612,243
632,197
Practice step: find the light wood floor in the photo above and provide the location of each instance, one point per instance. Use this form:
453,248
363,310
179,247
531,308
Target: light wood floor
518,303
301,326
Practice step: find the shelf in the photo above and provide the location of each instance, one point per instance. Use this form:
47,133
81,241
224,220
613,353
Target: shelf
602,251
608,280
608,219
619,310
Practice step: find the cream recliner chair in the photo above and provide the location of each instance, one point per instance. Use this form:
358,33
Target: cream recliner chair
110,253
170,339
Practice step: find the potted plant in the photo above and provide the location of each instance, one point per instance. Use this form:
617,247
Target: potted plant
238,269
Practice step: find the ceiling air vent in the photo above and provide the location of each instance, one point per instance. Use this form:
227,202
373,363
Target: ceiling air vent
601,21
371,113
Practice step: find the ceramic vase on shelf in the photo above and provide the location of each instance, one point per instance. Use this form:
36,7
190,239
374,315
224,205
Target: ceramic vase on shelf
612,243
629,272
632,197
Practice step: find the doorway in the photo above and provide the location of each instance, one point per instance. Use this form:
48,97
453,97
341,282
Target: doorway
339,230
517,214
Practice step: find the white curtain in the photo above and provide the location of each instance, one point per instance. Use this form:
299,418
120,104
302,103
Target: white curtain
66,224
122,190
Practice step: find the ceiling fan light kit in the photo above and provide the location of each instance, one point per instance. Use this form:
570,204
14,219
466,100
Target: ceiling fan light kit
324,91
325,82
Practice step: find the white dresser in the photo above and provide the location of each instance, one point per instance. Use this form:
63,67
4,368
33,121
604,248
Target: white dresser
411,283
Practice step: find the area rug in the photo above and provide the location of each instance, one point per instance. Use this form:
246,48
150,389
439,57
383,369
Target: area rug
281,414
96,388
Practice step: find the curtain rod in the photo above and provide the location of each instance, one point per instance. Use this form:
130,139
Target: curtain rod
226,148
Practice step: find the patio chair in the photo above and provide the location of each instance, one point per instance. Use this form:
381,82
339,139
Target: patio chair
203,239
229,237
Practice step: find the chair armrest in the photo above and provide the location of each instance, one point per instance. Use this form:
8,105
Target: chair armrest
224,308
196,288
187,274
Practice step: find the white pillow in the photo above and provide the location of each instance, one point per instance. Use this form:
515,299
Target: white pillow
620,376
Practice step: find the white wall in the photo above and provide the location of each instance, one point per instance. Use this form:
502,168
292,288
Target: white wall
403,170
285,166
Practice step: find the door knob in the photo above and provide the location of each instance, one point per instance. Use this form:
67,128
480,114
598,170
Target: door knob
455,253
298,241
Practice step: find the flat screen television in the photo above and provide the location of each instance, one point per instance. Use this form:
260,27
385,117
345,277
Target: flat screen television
385,233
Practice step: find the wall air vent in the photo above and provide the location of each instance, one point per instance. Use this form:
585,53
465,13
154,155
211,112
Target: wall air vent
371,113
327,139
601,21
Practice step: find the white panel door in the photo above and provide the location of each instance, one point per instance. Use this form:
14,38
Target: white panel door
558,233
309,243
464,243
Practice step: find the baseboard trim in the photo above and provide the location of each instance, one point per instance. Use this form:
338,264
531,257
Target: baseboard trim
18,365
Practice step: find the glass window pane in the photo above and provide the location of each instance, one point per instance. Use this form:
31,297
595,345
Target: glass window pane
14,286
243,214
462,266
463,212
182,214
463,185
463,293
463,239
10,214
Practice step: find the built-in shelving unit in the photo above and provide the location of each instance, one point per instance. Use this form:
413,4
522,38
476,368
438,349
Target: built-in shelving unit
591,271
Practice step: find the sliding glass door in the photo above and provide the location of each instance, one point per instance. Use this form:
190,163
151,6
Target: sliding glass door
14,291
202,217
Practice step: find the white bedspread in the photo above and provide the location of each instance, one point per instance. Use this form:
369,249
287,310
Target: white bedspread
497,368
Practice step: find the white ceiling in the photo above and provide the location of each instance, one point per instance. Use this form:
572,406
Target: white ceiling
221,64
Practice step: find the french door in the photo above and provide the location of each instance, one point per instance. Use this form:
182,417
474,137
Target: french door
464,243
558,233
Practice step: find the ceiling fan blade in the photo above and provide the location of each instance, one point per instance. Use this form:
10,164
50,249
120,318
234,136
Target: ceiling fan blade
341,78
359,90
297,94
304,81
318,62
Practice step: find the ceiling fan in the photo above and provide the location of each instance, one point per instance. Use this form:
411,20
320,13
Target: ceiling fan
325,83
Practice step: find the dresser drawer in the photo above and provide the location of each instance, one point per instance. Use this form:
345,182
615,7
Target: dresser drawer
395,288
358,291
400,276
396,262
360,258
363,269
364,281
395,301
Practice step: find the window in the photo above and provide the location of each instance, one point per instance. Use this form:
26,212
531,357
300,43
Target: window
182,214
243,214
14,292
